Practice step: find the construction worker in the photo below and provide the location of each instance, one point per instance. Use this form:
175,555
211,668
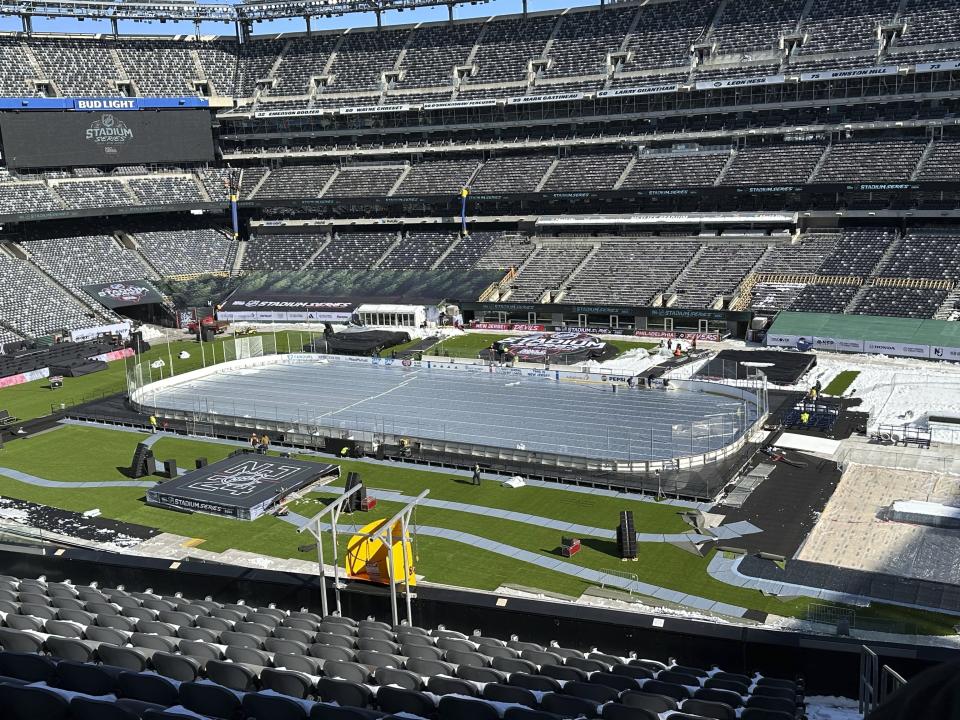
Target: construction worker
476,474
254,441
153,424
804,418
264,444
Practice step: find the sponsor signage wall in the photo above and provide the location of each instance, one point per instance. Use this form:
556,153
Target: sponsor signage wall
124,294
92,104
89,333
880,347
65,139
257,308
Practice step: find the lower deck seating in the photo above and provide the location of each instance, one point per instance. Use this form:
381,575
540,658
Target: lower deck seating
87,652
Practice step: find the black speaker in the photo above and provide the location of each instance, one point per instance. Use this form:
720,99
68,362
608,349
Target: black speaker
626,536
208,334
170,468
139,466
355,501
201,462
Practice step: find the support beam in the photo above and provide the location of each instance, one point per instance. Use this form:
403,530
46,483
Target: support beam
385,534
313,527
450,12
309,28
114,26
27,22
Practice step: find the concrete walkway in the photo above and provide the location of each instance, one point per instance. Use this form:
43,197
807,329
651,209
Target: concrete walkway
568,528
726,570
43,482
595,577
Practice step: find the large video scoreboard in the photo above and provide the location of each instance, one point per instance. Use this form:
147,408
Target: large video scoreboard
109,131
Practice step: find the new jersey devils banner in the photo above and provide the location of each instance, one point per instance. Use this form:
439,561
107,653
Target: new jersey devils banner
567,347
124,293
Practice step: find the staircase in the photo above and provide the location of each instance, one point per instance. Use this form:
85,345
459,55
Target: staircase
855,300
717,14
201,188
330,181
946,309
630,30
672,287
887,256
128,242
547,174
397,184
625,174
476,44
450,248
553,35
386,253
726,166
923,159
820,162
580,266
118,64
253,191
316,254
741,295
238,257
198,65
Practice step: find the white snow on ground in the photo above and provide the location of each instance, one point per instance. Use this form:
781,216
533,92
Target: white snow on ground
894,390
821,707
808,443
14,514
632,362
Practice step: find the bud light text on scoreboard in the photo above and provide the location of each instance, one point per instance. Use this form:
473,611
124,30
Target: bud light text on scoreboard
95,104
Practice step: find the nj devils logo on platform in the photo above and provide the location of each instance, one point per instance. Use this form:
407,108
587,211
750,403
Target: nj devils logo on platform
551,344
244,478
124,292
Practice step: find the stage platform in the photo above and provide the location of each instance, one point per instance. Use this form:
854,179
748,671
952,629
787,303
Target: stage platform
244,486
780,366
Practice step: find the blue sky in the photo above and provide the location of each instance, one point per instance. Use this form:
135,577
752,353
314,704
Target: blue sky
496,7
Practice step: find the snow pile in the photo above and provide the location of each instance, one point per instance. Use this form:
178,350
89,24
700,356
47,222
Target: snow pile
894,390
823,707
149,332
632,362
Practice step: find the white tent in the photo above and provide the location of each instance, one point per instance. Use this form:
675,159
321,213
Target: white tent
392,315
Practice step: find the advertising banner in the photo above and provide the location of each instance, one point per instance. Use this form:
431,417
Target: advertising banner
124,294
540,347
253,307
93,104
89,333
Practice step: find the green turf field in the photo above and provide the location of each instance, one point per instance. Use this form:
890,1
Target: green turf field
466,345
36,399
843,380
73,453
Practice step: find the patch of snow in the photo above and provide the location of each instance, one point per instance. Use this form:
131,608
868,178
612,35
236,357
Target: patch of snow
822,707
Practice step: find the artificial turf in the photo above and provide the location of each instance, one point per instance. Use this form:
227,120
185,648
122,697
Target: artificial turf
85,453
843,380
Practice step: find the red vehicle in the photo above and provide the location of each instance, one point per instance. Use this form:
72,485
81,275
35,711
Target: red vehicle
219,326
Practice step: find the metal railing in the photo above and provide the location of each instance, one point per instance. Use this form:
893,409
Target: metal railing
877,682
